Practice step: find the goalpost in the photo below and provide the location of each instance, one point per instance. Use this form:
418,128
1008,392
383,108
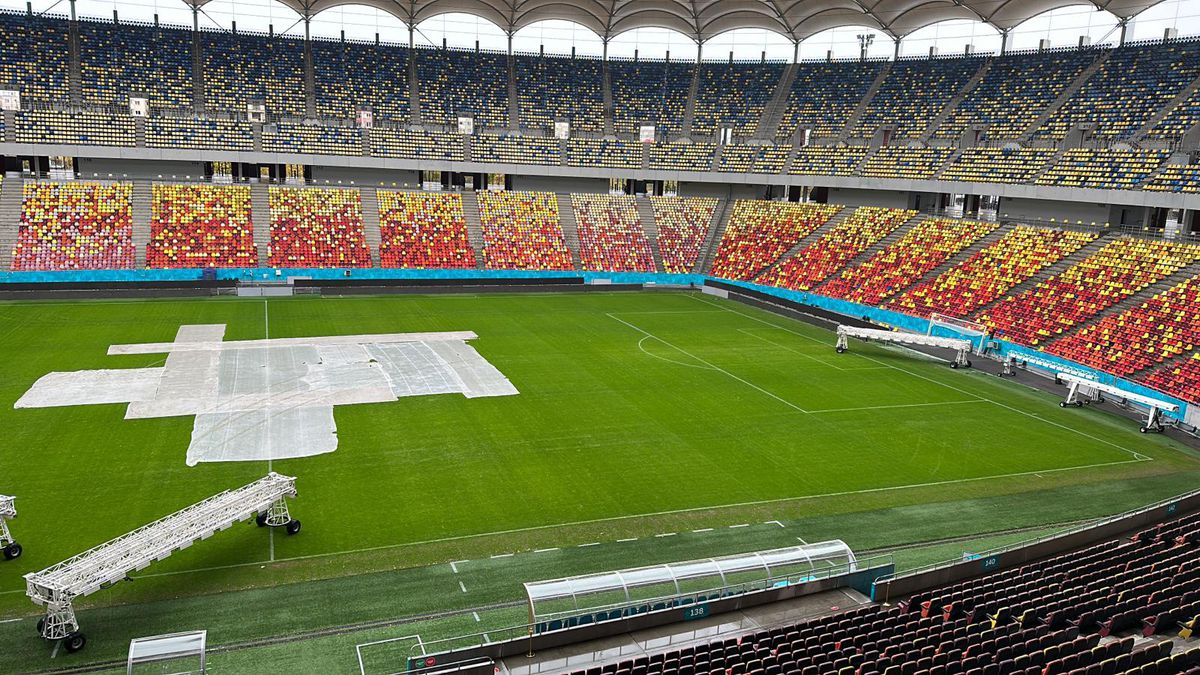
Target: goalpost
945,325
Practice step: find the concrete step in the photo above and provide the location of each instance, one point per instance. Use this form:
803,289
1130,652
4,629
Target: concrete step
470,204
650,225
570,228
10,217
712,241
1049,271
372,235
260,219
141,210
768,123
1161,114
689,110
956,100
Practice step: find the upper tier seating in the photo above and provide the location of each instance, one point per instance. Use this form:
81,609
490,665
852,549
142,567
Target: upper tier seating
760,232
458,83
606,153
997,165
416,144
521,230
913,94
423,230
1106,168
199,134
1015,90
683,224
310,139
119,61
1120,269
74,226
1176,178
649,92
832,160
314,227
198,226
1161,328
350,75
1049,617
41,65
846,240
611,237
1181,380
990,273
732,96
903,263
895,161
682,156
754,158
824,94
1132,84
1179,120
552,89
515,149
75,128
240,68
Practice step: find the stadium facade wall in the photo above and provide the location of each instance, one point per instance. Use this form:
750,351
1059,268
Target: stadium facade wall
883,198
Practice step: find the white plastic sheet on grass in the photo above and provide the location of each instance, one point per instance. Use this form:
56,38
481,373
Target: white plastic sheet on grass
274,399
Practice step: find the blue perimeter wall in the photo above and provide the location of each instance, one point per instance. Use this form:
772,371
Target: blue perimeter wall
887,317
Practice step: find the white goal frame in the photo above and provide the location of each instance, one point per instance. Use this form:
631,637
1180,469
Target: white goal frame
974,331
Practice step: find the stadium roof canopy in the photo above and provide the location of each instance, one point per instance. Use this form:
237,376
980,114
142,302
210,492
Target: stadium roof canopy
703,19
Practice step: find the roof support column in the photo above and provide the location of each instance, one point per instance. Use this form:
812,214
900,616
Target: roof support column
1124,24
896,53
1004,35
796,51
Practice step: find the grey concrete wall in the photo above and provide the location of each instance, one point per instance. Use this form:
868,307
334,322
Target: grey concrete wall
559,184
138,169
1042,209
366,176
856,197
719,190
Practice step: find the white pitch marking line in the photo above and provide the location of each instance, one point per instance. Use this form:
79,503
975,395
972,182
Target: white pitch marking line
454,567
716,368
594,543
57,644
476,615
267,335
462,586
740,525
10,620
622,541
546,550
502,555
774,522
785,347
703,529
486,639
665,534
1138,457
899,405
802,542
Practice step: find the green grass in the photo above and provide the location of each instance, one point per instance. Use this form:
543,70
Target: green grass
639,414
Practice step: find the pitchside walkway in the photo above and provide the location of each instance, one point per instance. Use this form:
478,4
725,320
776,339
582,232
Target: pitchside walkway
677,635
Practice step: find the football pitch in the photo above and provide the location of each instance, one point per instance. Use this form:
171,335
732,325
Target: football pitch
638,415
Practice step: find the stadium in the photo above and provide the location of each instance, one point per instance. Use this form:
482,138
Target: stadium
621,337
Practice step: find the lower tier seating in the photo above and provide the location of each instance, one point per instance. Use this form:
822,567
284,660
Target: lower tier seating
74,128
1117,271
521,230
74,226
818,261
200,226
903,263
1106,168
904,162
1176,178
1161,328
683,224
423,230
1181,380
819,160
611,238
314,227
990,273
760,232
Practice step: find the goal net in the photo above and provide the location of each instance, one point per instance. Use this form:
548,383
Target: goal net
944,325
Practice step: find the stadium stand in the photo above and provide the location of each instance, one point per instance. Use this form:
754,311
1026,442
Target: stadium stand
818,261
997,165
760,232
314,227
521,230
74,226
1163,327
824,94
199,134
1122,268
241,67
41,66
606,153
1181,380
1175,178
1049,617
913,94
423,230
683,223
74,128
649,92
611,237
1179,120
754,158
1105,168
902,264
200,226
552,89
831,160
513,149
311,139
351,75
732,96
387,142
1132,84
1014,91
902,162
1017,256
458,83
682,156
117,61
